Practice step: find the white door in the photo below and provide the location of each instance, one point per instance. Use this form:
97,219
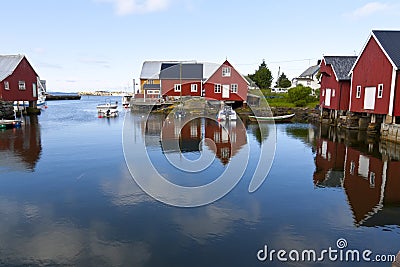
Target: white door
369,98
328,97
225,91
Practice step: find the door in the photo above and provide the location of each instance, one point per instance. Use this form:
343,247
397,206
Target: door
328,97
369,97
225,91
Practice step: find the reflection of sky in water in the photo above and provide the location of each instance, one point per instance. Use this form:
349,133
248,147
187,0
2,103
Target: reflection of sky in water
81,207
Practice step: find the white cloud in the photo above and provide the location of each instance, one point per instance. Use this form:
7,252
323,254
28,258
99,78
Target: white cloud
369,9
126,7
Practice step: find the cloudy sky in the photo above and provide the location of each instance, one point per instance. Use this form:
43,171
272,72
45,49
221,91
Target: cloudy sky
86,45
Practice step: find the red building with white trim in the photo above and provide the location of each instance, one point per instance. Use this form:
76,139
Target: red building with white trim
18,79
335,82
227,84
375,88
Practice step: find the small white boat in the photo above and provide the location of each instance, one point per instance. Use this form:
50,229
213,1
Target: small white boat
108,109
282,118
226,113
126,99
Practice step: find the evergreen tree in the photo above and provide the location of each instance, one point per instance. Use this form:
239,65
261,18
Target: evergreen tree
283,81
262,77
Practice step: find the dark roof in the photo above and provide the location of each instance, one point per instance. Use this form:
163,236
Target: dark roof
188,71
341,65
310,72
390,42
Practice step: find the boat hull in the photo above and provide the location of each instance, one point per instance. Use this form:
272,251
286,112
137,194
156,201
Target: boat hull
283,118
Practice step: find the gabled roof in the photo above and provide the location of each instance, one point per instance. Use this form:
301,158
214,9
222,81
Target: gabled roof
8,63
227,63
390,43
341,66
151,69
310,72
182,71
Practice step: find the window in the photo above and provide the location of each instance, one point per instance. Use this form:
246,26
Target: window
193,88
6,86
21,85
323,92
308,83
358,93
226,72
177,88
217,88
380,90
150,81
234,88
333,92
372,180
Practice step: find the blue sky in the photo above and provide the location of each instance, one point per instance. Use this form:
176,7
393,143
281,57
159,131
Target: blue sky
86,45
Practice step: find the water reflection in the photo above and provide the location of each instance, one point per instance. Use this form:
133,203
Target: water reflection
225,139
365,169
20,148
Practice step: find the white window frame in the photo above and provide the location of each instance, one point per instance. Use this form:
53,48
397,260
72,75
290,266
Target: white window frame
234,88
193,88
358,91
217,88
333,92
6,85
323,92
380,90
226,72
177,87
21,85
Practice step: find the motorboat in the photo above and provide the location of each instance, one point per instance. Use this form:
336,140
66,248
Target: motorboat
107,109
126,99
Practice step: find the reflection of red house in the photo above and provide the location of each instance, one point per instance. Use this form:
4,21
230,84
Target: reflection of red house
329,163
392,188
335,82
363,184
18,80
226,83
21,147
188,134
228,140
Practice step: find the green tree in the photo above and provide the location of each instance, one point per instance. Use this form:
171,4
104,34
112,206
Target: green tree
300,95
262,77
283,81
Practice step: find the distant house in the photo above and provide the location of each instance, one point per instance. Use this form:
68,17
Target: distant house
375,84
308,78
183,79
18,80
227,84
335,82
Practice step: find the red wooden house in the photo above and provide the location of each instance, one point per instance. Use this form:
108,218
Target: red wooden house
18,79
226,84
181,79
375,80
335,83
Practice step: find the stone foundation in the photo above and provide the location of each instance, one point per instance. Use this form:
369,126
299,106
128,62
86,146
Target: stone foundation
6,110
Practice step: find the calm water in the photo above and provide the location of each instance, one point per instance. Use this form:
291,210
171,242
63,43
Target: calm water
67,196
